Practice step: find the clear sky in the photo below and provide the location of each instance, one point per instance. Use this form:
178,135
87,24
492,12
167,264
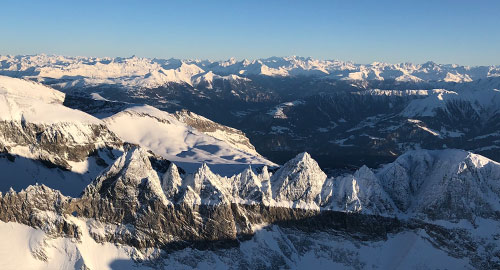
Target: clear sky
463,32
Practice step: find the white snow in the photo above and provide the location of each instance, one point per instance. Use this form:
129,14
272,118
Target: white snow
480,100
97,96
22,100
271,245
422,126
21,243
25,171
165,135
144,72
278,111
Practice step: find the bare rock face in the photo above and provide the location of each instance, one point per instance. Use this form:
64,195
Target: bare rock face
248,186
39,207
211,188
130,192
56,143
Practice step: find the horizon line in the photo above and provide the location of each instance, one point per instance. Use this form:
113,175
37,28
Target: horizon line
237,59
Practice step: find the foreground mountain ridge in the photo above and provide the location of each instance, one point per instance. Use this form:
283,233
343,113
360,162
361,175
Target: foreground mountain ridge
145,209
420,182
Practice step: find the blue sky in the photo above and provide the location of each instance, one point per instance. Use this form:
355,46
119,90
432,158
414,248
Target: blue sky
464,32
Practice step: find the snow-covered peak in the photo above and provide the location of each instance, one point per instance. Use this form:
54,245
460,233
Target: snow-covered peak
444,184
133,166
431,101
204,170
248,187
360,192
171,181
265,175
456,77
130,175
299,180
211,188
364,172
207,79
456,161
303,159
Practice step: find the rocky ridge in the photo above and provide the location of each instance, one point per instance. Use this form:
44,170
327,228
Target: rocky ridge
172,210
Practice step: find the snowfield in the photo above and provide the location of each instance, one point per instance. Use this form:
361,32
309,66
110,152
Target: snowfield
22,100
34,249
166,135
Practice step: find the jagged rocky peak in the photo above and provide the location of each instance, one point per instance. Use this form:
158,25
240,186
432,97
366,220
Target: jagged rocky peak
248,187
208,188
40,207
300,179
36,196
264,174
444,184
129,178
171,181
360,192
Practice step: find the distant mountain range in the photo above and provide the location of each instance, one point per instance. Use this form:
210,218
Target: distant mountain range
145,72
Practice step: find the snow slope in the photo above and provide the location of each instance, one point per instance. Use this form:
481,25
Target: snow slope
34,249
445,184
485,100
22,100
168,135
